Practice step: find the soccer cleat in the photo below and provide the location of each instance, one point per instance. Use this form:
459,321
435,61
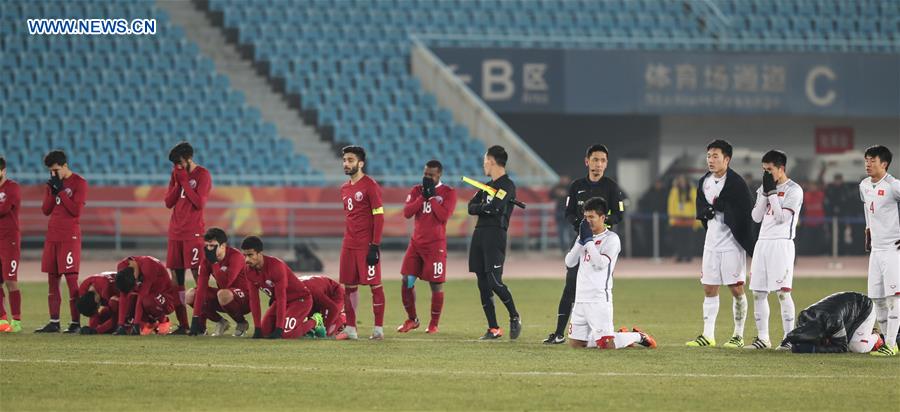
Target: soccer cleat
222,326
736,342
4,325
164,327
554,339
15,326
701,341
515,327
408,325
885,351
241,328
377,333
74,327
431,330
785,346
759,344
52,327
647,341
180,330
492,333
148,328
349,333
319,331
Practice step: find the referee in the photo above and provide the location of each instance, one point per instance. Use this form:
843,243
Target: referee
488,249
594,185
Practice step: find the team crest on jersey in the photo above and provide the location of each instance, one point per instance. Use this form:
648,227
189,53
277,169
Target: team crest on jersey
68,192
269,283
2,197
880,192
192,183
224,268
598,242
780,194
358,196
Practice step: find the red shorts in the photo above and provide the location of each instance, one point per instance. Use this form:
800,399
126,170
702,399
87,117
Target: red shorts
212,300
428,265
9,260
355,271
184,254
156,307
294,319
61,257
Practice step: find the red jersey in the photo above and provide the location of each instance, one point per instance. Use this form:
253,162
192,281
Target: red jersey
153,280
431,216
362,204
64,209
328,298
187,201
10,204
104,285
229,273
278,281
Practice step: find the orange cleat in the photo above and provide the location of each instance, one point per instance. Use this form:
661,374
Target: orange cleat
164,327
148,329
432,330
408,325
647,341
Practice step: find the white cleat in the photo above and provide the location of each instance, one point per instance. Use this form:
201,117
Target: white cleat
349,333
377,333
221,327
241,329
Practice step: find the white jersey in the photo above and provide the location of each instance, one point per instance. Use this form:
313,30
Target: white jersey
882,202
597,261
718,235
778,213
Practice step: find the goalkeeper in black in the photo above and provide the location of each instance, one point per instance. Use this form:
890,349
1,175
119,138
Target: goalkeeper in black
842,322
488,249
595,184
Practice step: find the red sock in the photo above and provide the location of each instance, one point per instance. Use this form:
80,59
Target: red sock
181,314
53,298
2,305
437,304
234,310
15,304
378,305
72,282
350,306
408,295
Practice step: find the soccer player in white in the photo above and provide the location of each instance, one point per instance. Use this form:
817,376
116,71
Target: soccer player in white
597,249
880,193
724,204
778,203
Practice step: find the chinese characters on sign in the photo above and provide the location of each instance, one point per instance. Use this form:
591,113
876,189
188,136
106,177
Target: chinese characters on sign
740,86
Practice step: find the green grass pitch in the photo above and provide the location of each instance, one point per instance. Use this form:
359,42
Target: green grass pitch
450,371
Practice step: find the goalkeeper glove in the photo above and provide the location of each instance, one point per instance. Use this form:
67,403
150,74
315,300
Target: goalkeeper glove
374,255
55,183
768,183
585,233
427,187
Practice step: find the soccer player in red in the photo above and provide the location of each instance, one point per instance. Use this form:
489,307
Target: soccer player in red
431,203
155,295
328,299
289,315
360,254
98,299
226,265
188,190
10,248
64,199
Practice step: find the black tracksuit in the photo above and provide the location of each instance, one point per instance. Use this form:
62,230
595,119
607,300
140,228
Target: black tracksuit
825,326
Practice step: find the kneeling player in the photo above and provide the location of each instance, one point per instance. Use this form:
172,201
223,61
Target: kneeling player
98,299
226,265
156,295
291,301
328,300
842,322
596,251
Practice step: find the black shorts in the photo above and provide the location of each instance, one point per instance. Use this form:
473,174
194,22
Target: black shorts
488,250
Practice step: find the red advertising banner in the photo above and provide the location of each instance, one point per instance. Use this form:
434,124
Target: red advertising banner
834,140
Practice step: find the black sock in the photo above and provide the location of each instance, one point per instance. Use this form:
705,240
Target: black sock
566,301
502,292
487,300
179,276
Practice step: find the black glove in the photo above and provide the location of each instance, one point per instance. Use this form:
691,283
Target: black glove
121,330
585,233
768,183
868,242
257,333
196,326
276,334
427,187
708,214
55,183
88,331
374,255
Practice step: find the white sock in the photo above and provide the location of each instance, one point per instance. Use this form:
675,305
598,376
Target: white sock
740,315
761,312
893,321
881,314
710,311
787,311
623,339
379,330
591,343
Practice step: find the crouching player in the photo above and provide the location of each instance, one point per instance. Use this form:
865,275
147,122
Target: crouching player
840,323
291,301
597,250
98,299
225,264
156,296
328,300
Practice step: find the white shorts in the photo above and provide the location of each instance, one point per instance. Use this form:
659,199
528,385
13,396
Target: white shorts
724,268
884,273
772,266
591,321
863,340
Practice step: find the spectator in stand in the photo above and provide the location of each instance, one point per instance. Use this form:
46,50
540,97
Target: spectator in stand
682,218
841,201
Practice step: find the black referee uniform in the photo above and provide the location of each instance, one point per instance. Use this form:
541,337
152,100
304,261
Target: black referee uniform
488,250
579,192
